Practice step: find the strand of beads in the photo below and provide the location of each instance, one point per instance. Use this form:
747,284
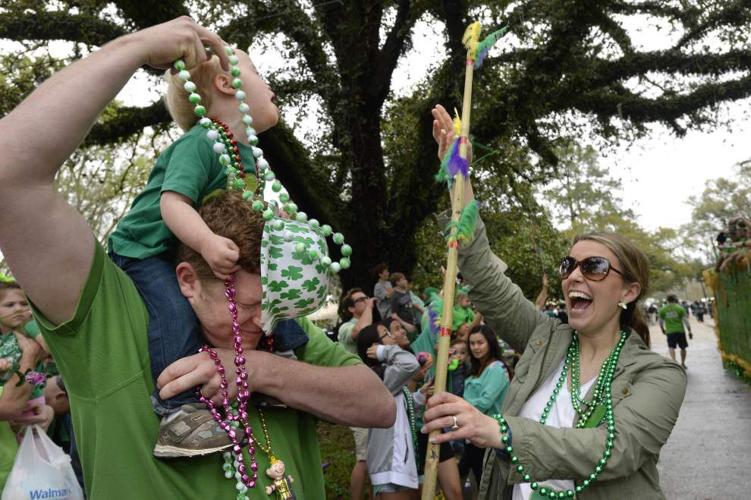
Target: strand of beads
412,418
598,397
238,418
263,170
572,357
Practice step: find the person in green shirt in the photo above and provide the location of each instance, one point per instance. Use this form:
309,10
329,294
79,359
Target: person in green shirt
463,312
144,242
14,314
95,320
673,319
18,353
484,388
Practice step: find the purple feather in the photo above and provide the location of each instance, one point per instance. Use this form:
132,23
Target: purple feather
457,164
433,320
481,55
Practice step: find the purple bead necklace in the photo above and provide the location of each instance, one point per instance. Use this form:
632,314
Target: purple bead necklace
234,419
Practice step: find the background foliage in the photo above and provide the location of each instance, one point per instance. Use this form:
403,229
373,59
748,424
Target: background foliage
570,72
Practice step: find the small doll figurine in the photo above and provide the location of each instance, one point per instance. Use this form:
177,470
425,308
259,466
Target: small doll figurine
282,482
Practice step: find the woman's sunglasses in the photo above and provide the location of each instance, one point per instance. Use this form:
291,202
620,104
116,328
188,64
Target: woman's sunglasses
592,268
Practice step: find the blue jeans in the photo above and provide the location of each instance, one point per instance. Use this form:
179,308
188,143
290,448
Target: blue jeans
173,331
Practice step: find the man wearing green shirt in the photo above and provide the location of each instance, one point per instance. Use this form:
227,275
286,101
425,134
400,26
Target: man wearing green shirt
673,318
95,320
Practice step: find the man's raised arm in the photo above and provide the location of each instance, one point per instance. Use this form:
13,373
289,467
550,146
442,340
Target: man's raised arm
46,242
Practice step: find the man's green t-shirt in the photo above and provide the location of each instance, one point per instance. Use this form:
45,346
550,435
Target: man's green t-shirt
189,167
102,353
8,450
672,315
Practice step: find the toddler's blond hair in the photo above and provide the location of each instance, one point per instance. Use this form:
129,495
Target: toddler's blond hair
176,98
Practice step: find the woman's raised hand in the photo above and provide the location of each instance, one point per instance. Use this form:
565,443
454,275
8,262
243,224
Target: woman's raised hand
443,129
443,133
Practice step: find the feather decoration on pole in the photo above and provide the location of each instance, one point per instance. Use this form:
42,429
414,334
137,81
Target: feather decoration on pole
455,171
484,47
434,315
465,226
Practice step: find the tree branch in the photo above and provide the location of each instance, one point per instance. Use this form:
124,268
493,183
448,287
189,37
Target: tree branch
617,33
145,14
736,14
663,109
671,61
657,8
396,43
299,27
58,25
128,121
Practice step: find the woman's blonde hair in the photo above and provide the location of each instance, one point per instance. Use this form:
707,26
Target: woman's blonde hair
635,266
176,98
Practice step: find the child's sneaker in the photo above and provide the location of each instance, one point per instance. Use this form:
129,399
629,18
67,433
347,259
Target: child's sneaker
189,432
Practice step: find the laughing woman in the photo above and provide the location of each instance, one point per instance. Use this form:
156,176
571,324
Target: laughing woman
590,406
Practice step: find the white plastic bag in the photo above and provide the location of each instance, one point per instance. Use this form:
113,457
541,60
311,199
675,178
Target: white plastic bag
42,470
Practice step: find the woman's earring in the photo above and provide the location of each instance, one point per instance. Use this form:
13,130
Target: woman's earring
622,305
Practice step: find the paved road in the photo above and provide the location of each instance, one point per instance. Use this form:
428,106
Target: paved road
708,454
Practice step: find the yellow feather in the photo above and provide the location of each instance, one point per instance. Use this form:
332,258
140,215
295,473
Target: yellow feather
471,38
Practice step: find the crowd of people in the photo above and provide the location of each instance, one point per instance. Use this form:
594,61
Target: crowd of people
392,333
31,388
586,405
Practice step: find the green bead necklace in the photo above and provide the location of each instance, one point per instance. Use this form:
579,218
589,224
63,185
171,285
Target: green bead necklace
602,399
229,157
410,404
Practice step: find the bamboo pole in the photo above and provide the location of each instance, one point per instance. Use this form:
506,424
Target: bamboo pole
449,283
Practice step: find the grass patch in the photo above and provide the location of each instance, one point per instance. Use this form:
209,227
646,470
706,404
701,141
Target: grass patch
338,451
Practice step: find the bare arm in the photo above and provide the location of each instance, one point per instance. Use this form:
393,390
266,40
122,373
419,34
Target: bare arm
542,297
363,401
405,324
41,236
685,322
366,319
183,220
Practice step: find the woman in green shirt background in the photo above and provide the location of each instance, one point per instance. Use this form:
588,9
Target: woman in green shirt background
484,388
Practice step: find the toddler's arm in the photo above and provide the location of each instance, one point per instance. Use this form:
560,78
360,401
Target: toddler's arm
221,253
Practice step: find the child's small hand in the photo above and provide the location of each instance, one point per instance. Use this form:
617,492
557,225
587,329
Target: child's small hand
30,349
221,255
372,351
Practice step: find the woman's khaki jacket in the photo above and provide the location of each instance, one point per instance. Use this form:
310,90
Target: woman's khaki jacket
647,393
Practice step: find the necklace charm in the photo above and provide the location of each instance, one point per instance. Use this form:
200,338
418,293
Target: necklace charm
281,484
